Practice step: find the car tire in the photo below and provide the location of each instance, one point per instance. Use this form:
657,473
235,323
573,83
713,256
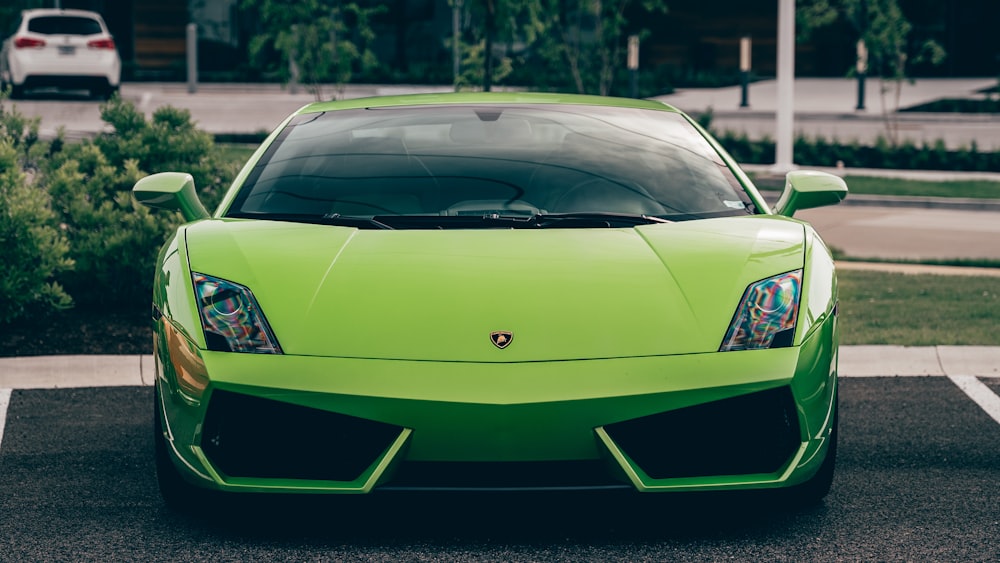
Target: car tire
103,92
16,92
178,494
814,490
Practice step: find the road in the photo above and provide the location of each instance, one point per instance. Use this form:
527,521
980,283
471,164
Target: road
918,473
907,232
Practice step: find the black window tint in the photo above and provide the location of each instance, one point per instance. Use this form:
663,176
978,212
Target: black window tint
64,25
468,159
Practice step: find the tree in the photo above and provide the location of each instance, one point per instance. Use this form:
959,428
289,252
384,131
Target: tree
495,22
885,31
588,37
316,41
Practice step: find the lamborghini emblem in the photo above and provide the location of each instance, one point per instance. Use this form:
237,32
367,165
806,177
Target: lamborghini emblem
502,338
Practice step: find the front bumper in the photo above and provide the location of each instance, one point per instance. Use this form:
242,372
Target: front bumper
731,420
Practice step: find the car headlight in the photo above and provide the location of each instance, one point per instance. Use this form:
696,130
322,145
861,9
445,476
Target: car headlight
231,318
766,315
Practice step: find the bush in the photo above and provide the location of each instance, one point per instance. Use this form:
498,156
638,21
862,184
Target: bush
169,142
34,250
114,240
821,152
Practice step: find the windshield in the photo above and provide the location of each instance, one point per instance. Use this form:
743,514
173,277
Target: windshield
468,161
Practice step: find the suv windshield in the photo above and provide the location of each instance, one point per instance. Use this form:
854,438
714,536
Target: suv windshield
518,160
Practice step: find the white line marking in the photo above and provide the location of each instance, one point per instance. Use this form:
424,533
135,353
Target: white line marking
980,393
4,402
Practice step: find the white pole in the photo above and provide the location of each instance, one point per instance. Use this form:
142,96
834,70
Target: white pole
786,87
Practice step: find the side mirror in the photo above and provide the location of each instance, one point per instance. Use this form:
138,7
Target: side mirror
805,189
173,191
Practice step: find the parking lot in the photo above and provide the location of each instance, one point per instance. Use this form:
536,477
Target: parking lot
918,475
917,479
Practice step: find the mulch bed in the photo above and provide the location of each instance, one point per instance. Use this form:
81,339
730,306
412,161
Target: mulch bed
77,331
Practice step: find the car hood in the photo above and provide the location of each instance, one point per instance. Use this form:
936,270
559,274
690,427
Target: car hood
439,294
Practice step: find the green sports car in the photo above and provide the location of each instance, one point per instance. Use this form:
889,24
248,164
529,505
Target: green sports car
494,291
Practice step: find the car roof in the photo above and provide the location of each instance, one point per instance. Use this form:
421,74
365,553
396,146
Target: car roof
470,98
59,12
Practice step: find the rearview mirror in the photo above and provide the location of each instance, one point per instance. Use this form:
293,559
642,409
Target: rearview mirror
173,191
805,189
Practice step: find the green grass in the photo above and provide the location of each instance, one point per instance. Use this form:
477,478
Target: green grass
981,189
237,153
918,310
840,255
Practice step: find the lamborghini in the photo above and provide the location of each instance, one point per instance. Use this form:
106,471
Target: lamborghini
493,292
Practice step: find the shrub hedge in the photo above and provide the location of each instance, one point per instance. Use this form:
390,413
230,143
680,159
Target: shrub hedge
69,219
35,252
819,151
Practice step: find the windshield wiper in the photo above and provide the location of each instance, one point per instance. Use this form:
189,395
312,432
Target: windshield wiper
334,219
518,221
594,219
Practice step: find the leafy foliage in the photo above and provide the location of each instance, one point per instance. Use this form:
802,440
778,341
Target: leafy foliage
113,239
823,152
320,41
68,223
588,37
34,250
885,32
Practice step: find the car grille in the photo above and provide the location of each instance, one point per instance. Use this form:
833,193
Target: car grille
247,436
753,433
484,476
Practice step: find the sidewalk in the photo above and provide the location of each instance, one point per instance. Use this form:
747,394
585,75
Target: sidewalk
56,372
825,107
831,97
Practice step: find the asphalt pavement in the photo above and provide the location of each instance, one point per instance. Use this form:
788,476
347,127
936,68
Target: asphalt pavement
916,480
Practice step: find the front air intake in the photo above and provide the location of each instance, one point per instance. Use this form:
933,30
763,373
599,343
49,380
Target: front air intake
754,433
247,436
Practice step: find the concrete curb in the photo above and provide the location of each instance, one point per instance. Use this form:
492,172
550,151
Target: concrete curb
52,372
771,184
55,372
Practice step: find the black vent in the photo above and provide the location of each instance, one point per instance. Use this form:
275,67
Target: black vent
754,433
248,436
582,474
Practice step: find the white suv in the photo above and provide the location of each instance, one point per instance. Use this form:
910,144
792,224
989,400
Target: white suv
69,49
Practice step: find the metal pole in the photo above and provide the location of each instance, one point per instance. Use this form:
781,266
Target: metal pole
456,53
192,58
633,64
745,71
786,87
862,71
